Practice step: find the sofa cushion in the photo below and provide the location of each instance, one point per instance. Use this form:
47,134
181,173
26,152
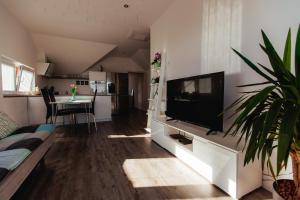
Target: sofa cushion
6,142
11,159
46,127
3,173
7,125
35,128
30,144
26,129
43,135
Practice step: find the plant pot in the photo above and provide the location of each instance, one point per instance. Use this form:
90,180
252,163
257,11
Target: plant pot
283,189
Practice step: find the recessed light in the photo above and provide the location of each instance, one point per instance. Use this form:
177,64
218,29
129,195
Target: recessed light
126,6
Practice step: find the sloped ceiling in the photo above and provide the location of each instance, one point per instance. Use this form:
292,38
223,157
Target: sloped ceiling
142,58
71,56
101,21
118,64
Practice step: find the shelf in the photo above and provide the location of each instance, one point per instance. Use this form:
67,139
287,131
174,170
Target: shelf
155,69
73,77
186,146
199,133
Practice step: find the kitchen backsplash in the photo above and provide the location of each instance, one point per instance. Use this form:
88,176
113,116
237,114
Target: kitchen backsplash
63,86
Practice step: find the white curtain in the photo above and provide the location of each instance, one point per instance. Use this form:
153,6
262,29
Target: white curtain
221,30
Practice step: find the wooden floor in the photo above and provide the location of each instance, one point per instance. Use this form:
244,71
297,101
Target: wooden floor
118,162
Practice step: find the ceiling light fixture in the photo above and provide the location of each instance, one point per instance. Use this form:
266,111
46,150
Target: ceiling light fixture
126,5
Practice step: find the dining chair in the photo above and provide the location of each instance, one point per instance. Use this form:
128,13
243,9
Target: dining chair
90,110
71,110
51,95
48,97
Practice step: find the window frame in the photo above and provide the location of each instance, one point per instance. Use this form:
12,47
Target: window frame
17,77
32,84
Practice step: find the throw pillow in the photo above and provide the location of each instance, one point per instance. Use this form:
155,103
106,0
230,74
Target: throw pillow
7,125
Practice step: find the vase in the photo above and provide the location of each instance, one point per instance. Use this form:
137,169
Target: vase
73,97
157,65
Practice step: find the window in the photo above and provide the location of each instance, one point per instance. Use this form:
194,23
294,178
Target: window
17,77
8,77
26,80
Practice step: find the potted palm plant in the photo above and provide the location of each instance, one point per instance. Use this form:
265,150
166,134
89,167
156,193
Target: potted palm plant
268,116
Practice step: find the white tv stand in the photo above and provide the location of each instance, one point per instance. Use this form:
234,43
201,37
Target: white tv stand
216,158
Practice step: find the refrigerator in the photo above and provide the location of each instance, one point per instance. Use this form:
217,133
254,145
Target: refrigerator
117,87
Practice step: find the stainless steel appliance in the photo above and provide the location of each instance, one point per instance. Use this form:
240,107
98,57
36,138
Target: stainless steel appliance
117,86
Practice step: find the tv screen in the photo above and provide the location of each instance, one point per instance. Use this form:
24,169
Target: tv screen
197,99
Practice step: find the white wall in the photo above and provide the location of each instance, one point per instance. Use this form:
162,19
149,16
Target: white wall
180,29
15,40
16,43
16,108
180,36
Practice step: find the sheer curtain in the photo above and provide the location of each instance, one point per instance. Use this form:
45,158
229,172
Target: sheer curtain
221,30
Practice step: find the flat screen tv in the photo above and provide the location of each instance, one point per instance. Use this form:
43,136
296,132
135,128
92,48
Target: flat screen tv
197,99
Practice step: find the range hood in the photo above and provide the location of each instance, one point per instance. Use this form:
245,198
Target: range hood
44,69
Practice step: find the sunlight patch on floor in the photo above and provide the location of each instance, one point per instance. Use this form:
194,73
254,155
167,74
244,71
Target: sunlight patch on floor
148,130
129,136
158,172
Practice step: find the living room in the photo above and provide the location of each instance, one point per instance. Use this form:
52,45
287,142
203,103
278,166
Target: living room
160,99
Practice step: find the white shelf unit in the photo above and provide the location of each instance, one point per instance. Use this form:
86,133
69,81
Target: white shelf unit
170,130
156,102
214,157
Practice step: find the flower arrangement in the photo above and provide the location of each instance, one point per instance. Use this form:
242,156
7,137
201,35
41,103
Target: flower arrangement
157,60
73,91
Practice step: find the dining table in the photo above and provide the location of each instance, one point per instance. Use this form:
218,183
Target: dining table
87,103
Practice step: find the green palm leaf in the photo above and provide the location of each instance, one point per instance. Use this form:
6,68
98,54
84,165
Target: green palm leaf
287,52
297,58
287,130
277,64
268,117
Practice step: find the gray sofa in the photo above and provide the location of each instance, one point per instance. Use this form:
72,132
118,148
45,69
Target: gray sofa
21,149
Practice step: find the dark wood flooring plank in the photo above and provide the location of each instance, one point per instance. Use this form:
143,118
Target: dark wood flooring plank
118,162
